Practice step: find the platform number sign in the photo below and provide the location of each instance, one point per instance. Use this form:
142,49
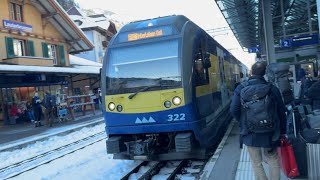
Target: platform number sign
254,50
286,43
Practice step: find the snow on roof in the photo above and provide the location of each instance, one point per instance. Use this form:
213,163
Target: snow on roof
89,22
74,60
46,69
78,66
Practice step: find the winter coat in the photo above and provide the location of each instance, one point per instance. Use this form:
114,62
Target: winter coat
266,140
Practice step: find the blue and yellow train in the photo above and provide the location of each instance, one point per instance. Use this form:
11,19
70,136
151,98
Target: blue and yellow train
166,88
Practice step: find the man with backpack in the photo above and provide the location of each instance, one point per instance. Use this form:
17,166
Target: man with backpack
259,108
49,103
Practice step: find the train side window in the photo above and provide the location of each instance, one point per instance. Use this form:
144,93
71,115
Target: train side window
201,73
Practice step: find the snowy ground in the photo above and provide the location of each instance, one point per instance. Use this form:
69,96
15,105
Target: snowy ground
91,162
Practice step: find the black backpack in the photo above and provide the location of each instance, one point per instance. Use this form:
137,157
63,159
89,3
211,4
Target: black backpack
278,75
49,101
258,107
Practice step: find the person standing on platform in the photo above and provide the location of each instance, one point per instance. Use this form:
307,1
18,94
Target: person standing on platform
314,94
48,104
36,106
259,108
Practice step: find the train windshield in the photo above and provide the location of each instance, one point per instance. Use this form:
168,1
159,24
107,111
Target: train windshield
133,68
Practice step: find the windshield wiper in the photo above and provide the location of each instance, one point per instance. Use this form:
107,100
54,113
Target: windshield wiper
141,90
146,88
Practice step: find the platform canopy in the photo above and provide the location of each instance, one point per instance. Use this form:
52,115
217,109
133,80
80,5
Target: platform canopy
289,18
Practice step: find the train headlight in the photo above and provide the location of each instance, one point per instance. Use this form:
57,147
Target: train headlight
167,104
111,106
176,100
119,108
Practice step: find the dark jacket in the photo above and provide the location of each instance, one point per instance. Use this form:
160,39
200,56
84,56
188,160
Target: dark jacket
314,94
36,102
266,140
48,101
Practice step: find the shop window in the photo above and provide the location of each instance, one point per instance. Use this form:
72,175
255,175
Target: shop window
16,12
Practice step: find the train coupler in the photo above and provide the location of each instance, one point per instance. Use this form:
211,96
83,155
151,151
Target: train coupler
140,147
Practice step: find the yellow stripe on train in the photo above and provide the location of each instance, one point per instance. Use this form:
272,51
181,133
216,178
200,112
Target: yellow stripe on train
144,102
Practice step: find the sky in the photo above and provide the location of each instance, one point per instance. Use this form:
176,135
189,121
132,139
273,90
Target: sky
205,13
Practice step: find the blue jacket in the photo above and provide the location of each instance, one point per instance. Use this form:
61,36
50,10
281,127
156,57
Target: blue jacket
266,140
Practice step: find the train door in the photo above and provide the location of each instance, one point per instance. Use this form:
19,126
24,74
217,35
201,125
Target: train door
223,86
203,92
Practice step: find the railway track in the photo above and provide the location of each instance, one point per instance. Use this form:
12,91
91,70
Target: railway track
185,169
169,170
44,158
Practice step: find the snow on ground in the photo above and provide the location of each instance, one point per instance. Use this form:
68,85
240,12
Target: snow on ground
90,163
7,158
49,132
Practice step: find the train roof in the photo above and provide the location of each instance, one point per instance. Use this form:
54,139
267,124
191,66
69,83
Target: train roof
177,20
173,20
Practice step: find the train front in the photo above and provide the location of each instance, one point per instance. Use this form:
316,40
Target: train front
145,112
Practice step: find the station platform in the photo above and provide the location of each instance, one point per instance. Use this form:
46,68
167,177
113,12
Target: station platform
18,136
230,162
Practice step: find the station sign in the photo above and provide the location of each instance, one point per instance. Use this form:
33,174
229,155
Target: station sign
254,50
299,41
305,40
146,33
17,26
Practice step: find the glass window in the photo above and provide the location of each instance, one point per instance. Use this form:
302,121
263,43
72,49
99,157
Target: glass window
133,67
16,12
19,47
52,52
12,14
200,72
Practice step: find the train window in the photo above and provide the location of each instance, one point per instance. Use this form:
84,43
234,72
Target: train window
201,73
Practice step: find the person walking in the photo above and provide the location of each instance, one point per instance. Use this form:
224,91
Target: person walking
48,104
259,108
36,106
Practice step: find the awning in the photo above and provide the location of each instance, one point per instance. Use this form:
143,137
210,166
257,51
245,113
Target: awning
290,18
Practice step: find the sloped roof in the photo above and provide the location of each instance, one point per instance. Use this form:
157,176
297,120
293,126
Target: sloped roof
102,23
77,61
60,20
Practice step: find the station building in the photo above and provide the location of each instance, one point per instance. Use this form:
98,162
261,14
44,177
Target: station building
36,38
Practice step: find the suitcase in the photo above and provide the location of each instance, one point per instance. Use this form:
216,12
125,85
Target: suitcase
300,152
314,121
311,135
313,151
299,145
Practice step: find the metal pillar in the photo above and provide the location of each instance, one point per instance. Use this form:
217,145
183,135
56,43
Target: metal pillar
309,17
283,19
268,30
318,10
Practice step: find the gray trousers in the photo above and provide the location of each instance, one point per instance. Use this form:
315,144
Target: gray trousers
271,158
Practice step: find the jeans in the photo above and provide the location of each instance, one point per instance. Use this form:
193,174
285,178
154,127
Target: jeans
271,156
31,116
